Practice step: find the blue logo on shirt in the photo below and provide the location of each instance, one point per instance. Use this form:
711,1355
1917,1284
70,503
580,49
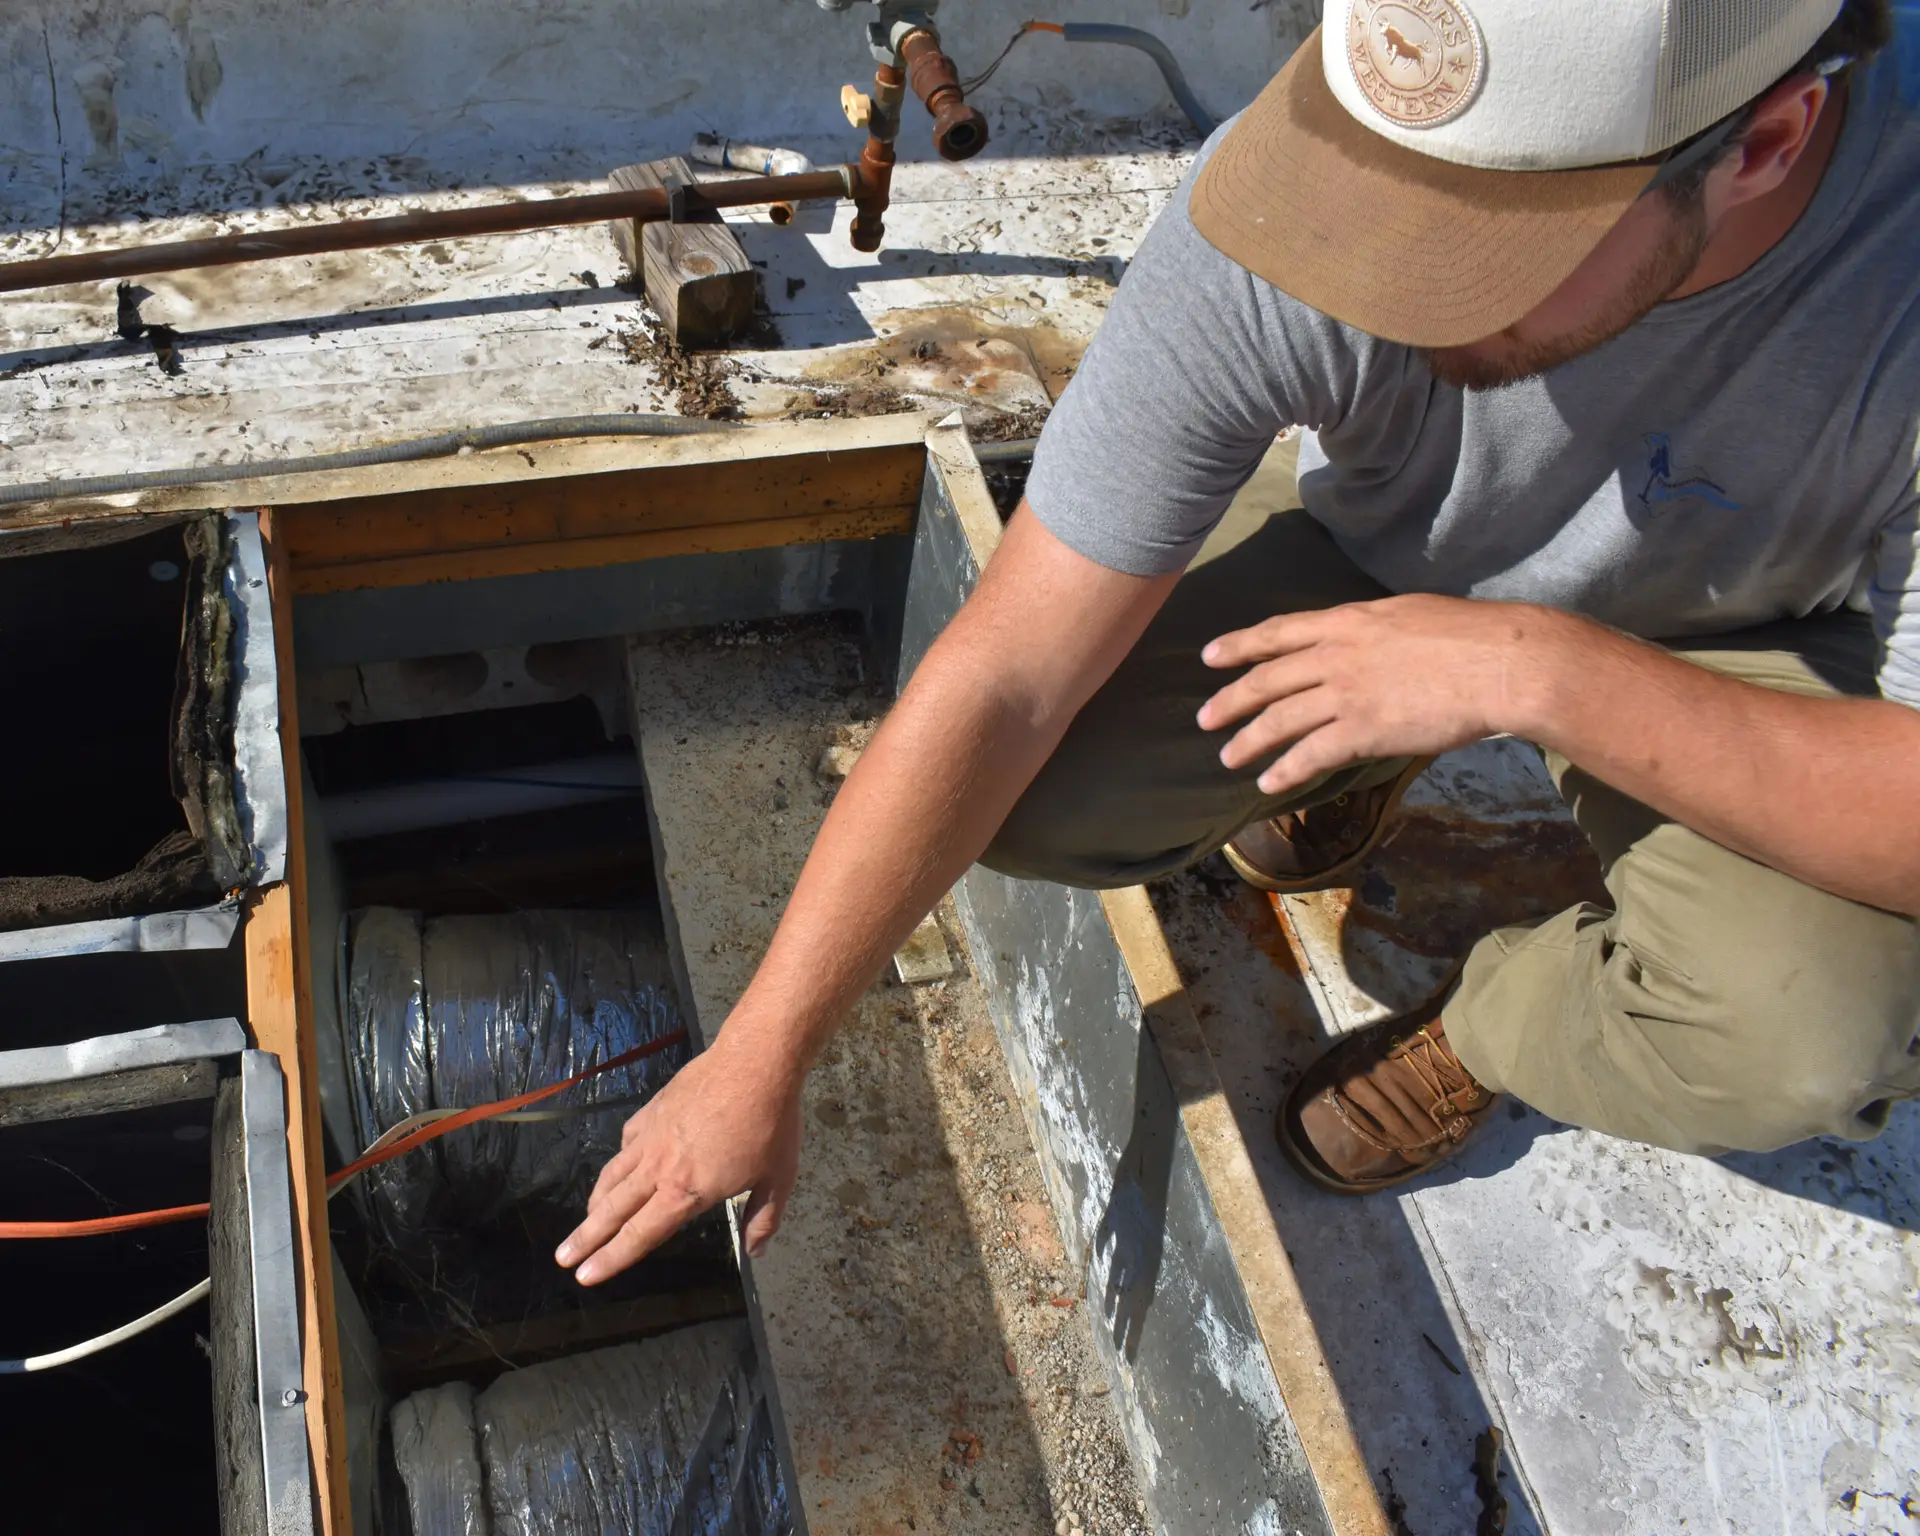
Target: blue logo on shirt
1664,483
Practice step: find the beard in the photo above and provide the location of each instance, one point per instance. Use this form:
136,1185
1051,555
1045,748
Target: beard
1518,356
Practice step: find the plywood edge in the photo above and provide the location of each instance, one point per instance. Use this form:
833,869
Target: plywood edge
588,553
558,459
1266,1274
950,450
280,1011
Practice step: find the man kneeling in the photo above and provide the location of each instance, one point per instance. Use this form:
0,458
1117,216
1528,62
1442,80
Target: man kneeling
1603,325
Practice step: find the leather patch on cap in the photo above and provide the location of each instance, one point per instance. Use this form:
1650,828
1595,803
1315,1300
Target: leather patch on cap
1418,62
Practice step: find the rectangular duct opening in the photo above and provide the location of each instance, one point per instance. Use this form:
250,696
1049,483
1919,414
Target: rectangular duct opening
478,822
118,769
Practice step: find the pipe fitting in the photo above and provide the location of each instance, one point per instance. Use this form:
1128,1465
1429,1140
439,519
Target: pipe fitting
959,130
873,190
889,91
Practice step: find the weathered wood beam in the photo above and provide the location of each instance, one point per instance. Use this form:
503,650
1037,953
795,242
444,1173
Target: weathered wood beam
138,1088
563,459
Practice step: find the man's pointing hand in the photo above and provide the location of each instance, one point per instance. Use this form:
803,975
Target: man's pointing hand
724,1124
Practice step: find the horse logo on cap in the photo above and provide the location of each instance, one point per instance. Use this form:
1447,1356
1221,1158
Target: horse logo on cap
1418,62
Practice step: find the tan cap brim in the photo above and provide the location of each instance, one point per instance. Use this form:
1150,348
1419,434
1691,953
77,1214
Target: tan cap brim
1398,244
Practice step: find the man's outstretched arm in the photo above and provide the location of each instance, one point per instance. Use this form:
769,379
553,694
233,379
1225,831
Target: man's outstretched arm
1821,789
983,712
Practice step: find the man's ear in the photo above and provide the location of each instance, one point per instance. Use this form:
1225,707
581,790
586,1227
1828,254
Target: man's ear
1780,133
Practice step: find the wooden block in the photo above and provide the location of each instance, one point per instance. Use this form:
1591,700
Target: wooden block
924,956
240,1471
697,275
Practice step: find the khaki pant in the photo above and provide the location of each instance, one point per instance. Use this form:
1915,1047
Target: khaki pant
1719,1005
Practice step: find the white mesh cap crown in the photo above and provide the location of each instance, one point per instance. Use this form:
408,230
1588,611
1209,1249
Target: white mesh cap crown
1532,85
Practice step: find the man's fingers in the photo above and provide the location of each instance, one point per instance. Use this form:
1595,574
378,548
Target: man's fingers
607,1212
1260,686
1318,752
1277,726
1260,642
618,1167
650,1226
765,1208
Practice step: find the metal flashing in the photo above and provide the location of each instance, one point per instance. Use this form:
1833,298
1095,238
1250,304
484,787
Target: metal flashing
196,928
276,1306
259,771
163,1045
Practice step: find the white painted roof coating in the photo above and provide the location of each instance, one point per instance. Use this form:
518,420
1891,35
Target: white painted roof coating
127,121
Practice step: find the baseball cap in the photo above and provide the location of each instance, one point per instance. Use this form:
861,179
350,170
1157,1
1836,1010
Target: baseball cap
1430,170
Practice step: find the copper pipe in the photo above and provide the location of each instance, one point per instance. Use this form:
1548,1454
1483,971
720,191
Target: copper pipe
876,178
646,204
876,159
959,131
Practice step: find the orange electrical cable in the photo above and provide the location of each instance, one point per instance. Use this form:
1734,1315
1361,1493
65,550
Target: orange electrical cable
133,1221
480,1112
1046,26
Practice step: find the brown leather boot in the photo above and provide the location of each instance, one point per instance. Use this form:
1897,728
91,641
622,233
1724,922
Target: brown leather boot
1386,1103
1317,847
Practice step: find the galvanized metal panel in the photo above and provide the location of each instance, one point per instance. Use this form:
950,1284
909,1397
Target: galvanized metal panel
276,1308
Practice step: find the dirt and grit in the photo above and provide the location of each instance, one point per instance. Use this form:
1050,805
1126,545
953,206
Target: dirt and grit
932,1346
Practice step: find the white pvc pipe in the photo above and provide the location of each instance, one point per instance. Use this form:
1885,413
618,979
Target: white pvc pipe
712,149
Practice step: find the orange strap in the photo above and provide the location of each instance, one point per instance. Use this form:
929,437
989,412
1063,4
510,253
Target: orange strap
133,1221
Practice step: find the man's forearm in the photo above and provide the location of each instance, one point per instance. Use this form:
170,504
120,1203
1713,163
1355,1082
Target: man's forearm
912,815
1821,789
987,705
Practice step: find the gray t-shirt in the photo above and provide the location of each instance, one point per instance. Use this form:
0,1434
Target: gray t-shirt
1748,454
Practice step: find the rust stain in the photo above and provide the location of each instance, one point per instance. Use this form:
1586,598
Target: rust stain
956,350
1259,918
1444,881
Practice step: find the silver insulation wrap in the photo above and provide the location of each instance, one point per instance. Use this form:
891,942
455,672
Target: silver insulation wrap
438,1460
451,1012
668,1437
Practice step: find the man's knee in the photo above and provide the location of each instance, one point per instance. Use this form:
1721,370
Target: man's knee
1030,847
1746,1043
